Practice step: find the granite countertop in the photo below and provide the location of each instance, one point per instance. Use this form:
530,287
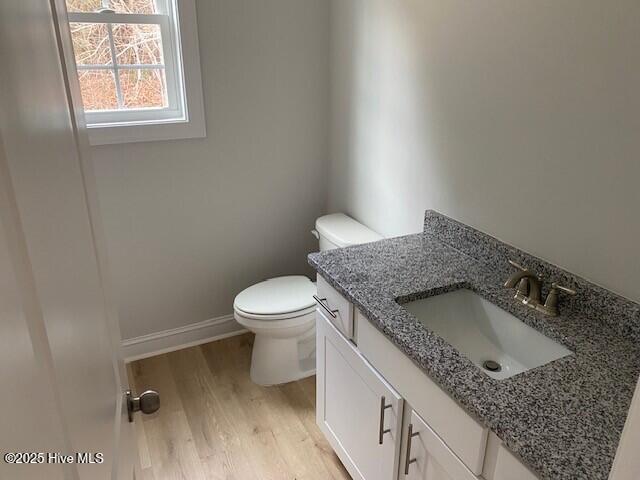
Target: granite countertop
563,419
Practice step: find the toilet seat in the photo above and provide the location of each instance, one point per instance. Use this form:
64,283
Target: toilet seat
280,298
275,317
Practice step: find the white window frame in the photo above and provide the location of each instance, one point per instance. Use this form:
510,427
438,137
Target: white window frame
184,115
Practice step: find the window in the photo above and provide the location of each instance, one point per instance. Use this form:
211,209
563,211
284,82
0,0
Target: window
137,79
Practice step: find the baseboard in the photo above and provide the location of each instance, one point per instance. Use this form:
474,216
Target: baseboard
182,337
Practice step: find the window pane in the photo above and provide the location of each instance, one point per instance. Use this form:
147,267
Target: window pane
137,44
143,88
134,6
91,43
98,88
83,5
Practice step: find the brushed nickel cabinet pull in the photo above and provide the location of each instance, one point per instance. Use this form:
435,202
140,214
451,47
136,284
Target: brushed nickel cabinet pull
320,301
381,430
408,460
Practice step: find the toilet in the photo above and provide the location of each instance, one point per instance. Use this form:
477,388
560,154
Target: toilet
281,311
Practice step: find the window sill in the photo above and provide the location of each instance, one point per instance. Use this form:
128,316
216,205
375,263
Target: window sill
146,132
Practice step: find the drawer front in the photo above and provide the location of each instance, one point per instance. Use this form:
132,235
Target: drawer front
335,307
427,457
463,434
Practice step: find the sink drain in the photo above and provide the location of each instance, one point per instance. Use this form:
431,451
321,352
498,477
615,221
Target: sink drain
492,366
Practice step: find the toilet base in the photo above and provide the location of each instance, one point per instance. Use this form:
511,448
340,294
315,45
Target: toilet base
281,360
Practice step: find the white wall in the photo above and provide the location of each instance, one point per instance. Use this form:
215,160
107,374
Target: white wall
521,118
191,223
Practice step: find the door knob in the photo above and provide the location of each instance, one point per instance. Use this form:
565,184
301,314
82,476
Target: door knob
148,402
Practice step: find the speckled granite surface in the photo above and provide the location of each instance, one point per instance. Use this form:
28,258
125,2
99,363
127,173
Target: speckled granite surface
562,419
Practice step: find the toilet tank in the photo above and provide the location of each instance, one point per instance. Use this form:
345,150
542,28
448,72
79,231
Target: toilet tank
339,230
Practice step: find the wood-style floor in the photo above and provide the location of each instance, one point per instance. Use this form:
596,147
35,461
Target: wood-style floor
214,423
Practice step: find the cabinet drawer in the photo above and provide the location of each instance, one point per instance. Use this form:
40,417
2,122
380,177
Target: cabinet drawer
335,307
460,431
426,457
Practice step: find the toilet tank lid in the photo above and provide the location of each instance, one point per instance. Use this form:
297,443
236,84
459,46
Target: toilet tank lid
343,230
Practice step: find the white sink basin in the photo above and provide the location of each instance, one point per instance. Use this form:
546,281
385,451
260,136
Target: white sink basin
483,331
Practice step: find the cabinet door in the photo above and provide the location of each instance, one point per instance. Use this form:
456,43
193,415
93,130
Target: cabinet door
426,457
358,412
508,466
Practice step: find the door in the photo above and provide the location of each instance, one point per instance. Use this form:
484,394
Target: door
358,412
426,457
62,375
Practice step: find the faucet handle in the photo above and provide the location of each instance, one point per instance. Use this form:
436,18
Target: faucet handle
518,266
525,269
568,290
550,306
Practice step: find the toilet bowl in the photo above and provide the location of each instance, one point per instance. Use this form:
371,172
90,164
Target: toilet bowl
281,311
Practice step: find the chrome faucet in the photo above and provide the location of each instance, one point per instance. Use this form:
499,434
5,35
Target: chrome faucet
529,290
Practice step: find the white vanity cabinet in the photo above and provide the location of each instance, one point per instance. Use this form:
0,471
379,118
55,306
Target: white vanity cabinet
362,417
358,412
385,418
